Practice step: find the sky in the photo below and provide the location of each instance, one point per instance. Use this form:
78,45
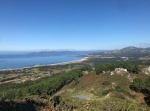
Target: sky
73,24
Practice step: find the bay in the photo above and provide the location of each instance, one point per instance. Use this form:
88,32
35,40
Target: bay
26,59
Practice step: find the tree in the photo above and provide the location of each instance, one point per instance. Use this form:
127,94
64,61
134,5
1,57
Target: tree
147,84
137,85
136,69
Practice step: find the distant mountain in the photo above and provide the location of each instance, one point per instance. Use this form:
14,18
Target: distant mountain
135,49
127,52
147,48
58,52
131,48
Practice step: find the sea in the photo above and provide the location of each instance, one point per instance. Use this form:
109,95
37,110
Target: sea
13,60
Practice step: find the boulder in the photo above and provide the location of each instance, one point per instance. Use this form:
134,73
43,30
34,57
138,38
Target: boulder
112,73
146,70
120,71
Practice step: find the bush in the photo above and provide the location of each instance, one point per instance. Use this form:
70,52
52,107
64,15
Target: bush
110,67
138,85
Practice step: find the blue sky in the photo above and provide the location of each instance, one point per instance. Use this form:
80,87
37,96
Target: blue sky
73,24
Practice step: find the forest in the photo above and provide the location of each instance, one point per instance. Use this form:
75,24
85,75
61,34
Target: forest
131,68
43,87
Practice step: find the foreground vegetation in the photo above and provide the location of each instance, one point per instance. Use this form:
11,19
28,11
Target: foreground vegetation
81,89
142,86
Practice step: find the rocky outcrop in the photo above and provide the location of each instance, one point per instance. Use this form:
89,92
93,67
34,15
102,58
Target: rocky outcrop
120,71
111,73
146,70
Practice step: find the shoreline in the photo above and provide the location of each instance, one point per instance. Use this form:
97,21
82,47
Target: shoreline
55,64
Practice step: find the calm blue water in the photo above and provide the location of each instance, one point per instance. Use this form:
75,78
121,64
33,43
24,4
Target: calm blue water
20,60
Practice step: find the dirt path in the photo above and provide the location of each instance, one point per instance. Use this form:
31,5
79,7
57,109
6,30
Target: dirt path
89,96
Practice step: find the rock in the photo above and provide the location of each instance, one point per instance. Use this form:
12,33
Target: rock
120,71
104,72
85,72
146,70
112,73
130,78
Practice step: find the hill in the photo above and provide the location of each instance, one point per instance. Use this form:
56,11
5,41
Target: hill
126,52
102,93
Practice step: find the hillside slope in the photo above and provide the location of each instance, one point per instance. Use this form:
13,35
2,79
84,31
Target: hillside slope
103,92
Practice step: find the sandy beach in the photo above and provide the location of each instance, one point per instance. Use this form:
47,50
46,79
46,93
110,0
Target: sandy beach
70,62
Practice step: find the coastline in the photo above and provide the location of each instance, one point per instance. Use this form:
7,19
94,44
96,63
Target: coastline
55,64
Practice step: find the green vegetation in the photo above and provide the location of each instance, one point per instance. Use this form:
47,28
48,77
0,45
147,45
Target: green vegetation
42,87
106,90
138,85
141,86
147,84
132,68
